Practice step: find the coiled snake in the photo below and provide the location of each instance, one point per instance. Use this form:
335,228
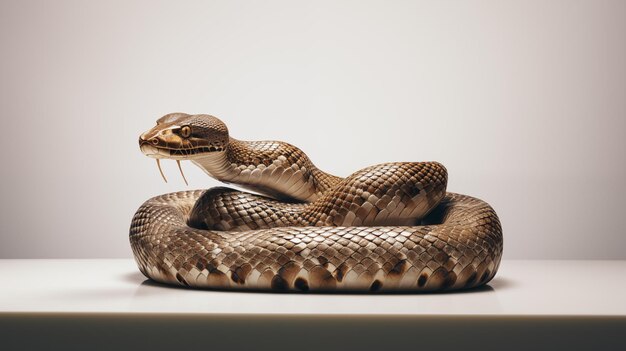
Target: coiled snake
388,227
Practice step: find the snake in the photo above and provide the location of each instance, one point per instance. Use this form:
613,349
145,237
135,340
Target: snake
391,227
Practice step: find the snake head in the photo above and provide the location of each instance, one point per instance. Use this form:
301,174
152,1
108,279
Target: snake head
181,136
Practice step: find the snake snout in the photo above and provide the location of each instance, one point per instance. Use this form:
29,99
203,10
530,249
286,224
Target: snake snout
149,147
154,141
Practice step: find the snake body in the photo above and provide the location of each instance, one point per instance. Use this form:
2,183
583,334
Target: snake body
389,227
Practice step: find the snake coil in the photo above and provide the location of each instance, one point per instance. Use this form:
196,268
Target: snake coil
389,227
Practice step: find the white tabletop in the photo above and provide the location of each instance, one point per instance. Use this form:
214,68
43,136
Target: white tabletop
521,288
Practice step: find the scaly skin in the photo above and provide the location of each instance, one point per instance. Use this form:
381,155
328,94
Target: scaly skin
390,227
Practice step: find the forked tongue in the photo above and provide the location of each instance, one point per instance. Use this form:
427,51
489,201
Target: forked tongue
181,172
160,170
179,168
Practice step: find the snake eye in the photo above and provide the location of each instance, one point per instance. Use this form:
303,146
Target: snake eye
185,131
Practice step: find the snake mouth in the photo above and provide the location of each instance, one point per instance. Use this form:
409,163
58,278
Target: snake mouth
154,151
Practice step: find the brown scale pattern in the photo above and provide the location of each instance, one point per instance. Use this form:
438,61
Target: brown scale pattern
390,227
255,154
460,249
393,193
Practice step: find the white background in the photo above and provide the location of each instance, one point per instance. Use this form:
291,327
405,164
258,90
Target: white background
523,101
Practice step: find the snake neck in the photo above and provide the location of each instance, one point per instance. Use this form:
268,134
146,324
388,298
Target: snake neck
217,165
272,168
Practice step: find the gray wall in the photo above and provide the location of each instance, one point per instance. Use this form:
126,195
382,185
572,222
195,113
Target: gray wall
523,101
